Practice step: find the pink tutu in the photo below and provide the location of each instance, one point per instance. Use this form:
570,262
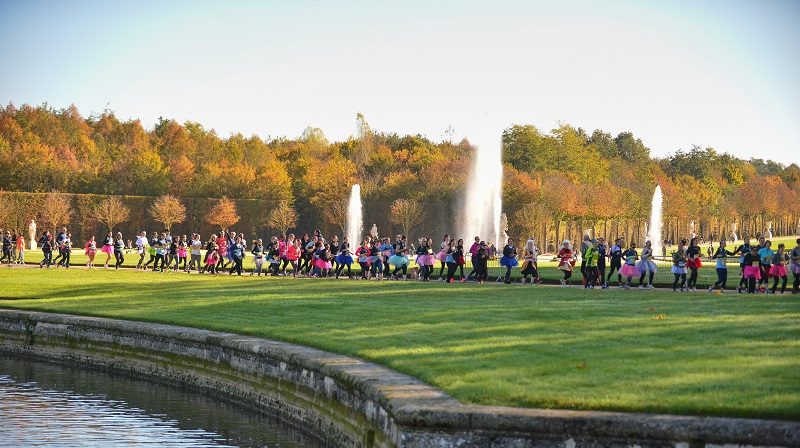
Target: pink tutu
752,272
421,260
442,255
629,271
107,249
322,264
778,270
182,253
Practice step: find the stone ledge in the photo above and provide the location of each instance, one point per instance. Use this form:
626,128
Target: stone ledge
407,411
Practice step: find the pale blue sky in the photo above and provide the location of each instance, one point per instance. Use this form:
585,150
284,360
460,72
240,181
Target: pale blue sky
675,73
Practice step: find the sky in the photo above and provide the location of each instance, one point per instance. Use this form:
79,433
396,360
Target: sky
723,74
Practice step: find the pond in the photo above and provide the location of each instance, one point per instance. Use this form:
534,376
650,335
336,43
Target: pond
44,404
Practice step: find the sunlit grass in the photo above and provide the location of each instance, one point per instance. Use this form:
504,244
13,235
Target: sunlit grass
707,354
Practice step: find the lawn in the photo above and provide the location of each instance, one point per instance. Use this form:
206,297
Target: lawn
650,351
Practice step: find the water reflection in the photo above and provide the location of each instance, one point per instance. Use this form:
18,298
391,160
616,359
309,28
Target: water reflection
45,404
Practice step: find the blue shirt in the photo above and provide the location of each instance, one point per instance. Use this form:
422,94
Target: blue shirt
766,254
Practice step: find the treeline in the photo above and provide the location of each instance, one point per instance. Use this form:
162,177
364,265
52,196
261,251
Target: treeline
556,183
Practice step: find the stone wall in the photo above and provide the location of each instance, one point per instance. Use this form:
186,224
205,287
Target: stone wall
347,401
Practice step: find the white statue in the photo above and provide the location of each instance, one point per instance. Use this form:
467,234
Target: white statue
32,234
374,232
769,230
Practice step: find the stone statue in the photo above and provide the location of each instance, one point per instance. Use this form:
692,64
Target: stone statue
374,232
503,228
768,233
32,234
734,228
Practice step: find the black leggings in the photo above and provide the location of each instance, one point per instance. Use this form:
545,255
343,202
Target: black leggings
119,257
567,275
340,269
451,270
482,271
158,258
529,270
507,277
682,278
764,274
796,283
237,266
722,278
692,278
66,255
425,271
751,285
615,266
641,278
402,267
141,260
48,258
783,286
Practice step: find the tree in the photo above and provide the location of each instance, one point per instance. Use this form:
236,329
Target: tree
223,214
282,217
167,210
408,213
56,210
110,211
526,149
336,214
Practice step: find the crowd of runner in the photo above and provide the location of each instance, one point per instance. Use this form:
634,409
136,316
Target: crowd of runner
381,258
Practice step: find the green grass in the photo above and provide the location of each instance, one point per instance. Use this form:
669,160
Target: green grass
705,354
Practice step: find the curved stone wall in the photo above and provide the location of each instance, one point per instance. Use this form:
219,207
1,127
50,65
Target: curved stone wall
350,402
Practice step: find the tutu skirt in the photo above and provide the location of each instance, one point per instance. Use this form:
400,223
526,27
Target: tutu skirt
90,252
509,262
426,260
344,259
442,256
107,249
629,270
322,264
678,270
646,266
398,260
795,268
182,253
752,272
565,266
778,270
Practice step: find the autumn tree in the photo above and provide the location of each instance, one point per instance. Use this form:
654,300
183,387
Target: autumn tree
168,210
336,214
110,211
223,214
408,213
282,217
56,210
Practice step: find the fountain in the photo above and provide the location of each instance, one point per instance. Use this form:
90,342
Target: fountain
654,229
354,217
483,205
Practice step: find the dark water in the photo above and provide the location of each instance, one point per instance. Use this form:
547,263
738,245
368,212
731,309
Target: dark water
44,404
